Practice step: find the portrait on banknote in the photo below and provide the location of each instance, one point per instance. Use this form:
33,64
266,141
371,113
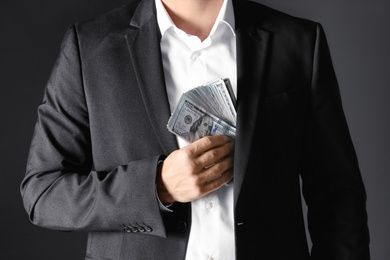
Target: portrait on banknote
204,111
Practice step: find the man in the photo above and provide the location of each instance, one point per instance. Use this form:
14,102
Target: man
102,160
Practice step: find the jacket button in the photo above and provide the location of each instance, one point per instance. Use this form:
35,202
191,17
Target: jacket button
148,229
181,226
127,229
134,229
141,229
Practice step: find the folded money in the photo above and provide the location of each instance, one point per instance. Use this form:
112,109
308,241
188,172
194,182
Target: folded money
207,110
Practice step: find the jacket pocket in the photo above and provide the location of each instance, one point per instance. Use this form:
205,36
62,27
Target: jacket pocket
281,100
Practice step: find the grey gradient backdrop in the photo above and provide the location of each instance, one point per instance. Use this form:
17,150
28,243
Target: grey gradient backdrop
31,31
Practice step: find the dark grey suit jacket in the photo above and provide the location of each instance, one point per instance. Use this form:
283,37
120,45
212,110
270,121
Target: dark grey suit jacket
101,131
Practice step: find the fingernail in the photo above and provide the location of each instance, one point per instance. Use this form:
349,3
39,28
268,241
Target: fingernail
227,139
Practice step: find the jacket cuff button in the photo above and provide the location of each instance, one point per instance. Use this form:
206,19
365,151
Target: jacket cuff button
141,229
148,229
134,230
126,229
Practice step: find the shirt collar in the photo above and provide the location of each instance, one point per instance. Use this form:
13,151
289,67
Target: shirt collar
226,15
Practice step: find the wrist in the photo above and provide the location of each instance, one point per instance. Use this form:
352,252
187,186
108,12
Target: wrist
162,193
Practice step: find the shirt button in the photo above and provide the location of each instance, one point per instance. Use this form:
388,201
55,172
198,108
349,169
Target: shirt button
209,205
195,54
210,258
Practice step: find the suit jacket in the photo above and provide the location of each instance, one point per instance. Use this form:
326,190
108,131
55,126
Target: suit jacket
101,130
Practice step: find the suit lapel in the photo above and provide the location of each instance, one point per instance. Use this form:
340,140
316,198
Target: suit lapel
144,47
252,57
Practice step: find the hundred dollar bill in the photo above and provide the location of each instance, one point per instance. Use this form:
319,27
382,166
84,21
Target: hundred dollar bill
191,122
217,98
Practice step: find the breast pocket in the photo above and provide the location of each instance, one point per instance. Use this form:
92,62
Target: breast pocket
290,100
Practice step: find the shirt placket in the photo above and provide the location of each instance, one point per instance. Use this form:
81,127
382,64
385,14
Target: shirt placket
197,67
208,219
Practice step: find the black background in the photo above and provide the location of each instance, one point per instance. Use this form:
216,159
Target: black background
358,33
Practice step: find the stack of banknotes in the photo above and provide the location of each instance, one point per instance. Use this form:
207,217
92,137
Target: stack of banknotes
206,110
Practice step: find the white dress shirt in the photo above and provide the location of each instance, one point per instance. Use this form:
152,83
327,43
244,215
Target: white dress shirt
189,63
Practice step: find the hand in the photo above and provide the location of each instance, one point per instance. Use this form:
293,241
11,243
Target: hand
196,170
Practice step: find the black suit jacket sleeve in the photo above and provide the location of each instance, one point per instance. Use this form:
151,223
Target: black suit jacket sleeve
62,190
332,184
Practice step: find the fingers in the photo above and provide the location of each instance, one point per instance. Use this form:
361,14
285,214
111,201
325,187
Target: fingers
195,170
216,183
206,143
216,154
216,170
